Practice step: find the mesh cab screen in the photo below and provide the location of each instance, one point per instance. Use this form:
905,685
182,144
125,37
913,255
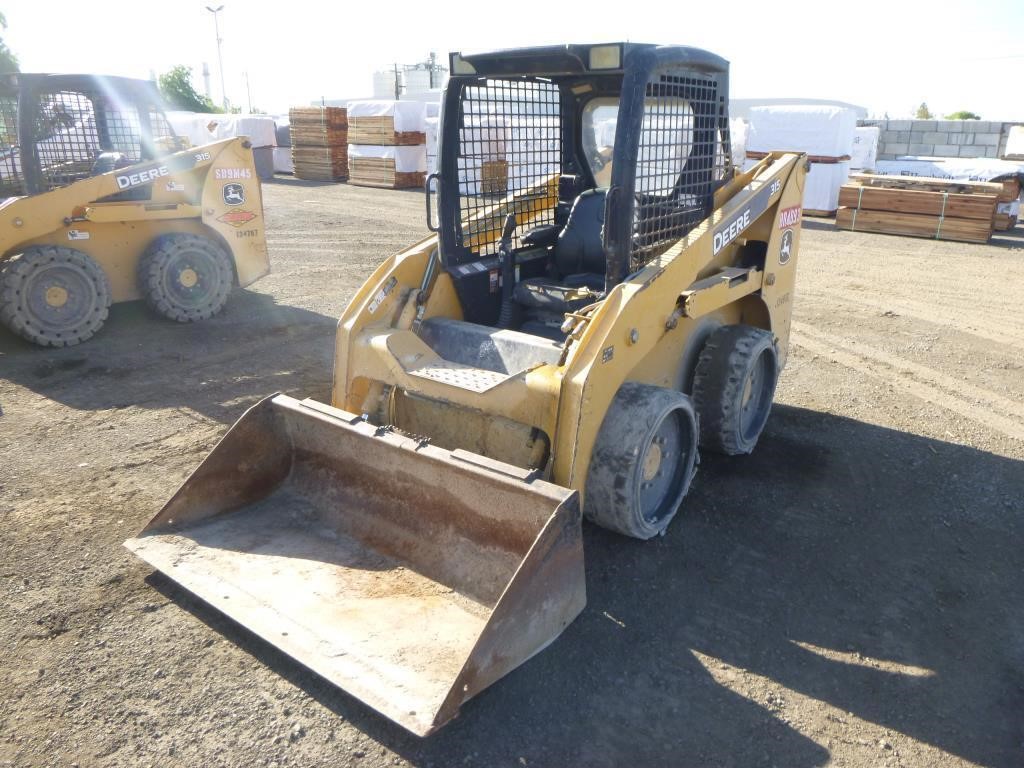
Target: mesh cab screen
74,128
11,179
679,157
509,159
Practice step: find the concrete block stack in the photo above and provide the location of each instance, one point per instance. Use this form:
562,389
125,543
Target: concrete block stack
388,143
940,138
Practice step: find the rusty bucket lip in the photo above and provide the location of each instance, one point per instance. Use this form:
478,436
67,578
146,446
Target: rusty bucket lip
488,658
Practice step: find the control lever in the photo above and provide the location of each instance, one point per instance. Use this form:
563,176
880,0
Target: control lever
506,318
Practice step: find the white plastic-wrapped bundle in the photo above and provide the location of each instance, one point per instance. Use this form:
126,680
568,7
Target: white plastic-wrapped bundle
821,189
260,129
823,131
283,160
1015,143
405,116
739,132
865,148
432,125
411,159
204,127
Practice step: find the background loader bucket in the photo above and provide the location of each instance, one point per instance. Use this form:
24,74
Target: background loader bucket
413,577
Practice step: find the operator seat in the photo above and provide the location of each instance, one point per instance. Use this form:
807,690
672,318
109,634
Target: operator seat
579,263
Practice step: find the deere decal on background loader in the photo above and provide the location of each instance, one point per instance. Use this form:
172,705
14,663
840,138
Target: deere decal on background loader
104,204
603,294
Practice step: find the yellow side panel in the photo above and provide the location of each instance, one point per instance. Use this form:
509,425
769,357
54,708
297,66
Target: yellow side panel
118,247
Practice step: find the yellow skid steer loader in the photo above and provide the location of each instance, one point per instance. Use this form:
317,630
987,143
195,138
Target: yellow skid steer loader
604,293
104,204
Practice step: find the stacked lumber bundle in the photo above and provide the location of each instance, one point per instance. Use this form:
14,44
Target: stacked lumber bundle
919,207
319,137
381,131
387,123
388,143
388,167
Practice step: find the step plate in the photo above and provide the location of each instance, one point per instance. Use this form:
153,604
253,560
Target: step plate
461,376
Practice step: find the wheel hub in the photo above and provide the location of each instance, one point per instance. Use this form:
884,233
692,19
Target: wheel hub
188,277
56,296
652,462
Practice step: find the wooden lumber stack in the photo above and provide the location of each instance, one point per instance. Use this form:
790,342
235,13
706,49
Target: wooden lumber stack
380,172
380,131
1008,207
319,143
919,207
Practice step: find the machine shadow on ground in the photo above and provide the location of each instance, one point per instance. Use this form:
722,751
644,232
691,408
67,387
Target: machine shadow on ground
141,360
840,561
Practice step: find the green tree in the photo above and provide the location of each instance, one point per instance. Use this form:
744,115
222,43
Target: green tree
963,114
8,61
177,89
923,113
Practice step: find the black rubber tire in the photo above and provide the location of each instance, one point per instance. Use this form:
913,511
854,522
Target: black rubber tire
171,262
733,387
30,280
626,492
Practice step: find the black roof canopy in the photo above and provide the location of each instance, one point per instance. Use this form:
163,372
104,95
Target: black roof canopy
577,59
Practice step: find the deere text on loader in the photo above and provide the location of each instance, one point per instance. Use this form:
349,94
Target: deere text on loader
604,293
104,204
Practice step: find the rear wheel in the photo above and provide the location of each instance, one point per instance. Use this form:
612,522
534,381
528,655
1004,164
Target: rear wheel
186,277
733,387
53,296
643,461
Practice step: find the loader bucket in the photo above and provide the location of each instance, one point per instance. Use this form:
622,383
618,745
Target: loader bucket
411,576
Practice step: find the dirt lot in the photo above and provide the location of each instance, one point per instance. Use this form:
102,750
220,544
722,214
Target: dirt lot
850,595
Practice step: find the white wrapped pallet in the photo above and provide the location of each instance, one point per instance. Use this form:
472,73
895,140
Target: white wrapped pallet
739,131
821,131
431,131
283,160
821,188
1015,143
865,148
408,159
958,169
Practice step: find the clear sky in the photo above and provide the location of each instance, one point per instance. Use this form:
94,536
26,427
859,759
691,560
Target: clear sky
885,56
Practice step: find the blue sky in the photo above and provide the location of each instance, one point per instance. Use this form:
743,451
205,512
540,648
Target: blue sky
885,56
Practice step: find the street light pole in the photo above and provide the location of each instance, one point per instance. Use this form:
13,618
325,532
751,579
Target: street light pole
220,58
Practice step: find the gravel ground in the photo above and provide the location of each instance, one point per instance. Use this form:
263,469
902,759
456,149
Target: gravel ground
850,595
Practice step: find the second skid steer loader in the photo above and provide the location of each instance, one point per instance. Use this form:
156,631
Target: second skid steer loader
104,204
603,294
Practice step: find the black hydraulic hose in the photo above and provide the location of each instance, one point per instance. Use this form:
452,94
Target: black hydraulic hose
506,317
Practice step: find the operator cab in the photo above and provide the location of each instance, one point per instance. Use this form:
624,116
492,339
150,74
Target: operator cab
564,169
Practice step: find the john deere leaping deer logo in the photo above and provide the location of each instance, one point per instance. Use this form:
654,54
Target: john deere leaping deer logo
234,194
786,249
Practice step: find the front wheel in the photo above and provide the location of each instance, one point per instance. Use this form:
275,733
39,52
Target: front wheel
643,461
186,277
733,388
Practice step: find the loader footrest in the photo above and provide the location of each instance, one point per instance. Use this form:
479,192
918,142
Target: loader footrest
458,375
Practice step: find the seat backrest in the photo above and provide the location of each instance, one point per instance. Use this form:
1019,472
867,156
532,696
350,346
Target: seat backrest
580,246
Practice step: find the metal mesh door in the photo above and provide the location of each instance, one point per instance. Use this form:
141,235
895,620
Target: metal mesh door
67,142
11,179
509,159
679,159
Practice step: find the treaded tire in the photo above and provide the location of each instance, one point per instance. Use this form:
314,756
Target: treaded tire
53,296
643,461
733,387
185,277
